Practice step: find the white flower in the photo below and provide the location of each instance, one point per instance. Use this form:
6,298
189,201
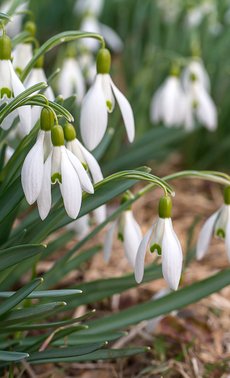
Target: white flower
200,107
98,101
88,65
71,80
64,168
10,87
22,54
88,160
217,224
91,24
33,166
91,6
14,26
195,69
168,103
162,239
129,232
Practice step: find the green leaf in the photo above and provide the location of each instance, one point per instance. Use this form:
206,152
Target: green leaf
19,295
14,255
4,17
164,305
43,293
103,354
32,313
52,355
12,356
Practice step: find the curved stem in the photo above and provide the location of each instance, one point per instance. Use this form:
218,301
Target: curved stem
57,40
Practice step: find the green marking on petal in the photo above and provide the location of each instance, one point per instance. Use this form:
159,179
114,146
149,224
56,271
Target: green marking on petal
193,77
56,177
120,236
109,105
156,247
220,233
195,104
85,166
18,71
6,92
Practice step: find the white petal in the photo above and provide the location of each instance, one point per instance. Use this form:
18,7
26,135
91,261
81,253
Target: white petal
112,38
140,257
22,54
44,200
92,163
109,241
70,187
227,239
126,111
155,107
24,112
172,256
100,214
71,80
132,237
205,236
94,115
82,174
5,74
107,90
80,226
32,170
206,109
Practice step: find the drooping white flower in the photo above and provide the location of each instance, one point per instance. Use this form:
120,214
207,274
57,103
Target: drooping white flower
218,224
168,103
91,24
22,54
88,160
98,101
162,238
14,26
200,107
71,80
130,234
88,65
195,70
10,87
89,6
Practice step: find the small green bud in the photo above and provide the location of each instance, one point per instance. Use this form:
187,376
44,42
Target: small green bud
103,61
227,195
5,47
57,136
165,207
46,119
31,28
40,62
69,132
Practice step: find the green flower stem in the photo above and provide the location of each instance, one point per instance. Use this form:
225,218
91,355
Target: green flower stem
57,40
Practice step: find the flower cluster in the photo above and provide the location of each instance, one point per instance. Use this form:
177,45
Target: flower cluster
185,101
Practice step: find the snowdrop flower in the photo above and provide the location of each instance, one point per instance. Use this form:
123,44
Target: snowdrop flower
200,107
22,54
37,75
71,80
98,101
10,87
87,160
92,6
129,233
162,239
87,64
168,103
91,24
218,224
14,26
195,69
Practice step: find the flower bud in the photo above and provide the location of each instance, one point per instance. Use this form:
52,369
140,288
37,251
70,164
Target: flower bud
5,47
165,207
57,136
46,119
227,195
31,28
69,132
103,61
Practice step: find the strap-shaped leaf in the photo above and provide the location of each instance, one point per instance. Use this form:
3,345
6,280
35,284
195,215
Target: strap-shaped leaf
12,256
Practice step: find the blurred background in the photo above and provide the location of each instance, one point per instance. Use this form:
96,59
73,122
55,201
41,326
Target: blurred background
155,33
